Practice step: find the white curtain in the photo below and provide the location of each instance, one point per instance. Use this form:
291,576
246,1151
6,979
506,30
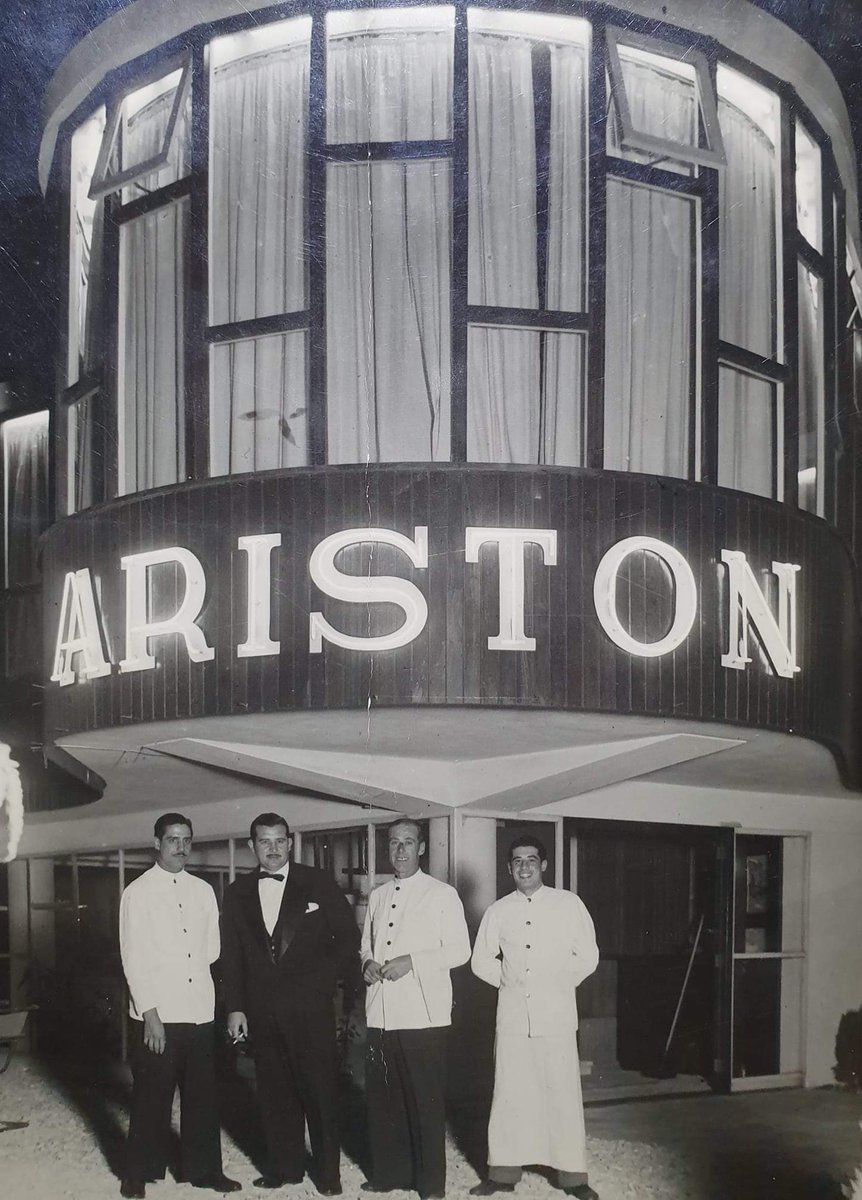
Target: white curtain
25,467
747,217
258,400
388,250
85,249
648,319
259,110
525,387
258,416
810,384
79,436
648,290
388,247
152,410
393,86
746,438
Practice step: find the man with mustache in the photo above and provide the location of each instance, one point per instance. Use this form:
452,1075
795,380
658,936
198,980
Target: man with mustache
536,945
168,939
288,933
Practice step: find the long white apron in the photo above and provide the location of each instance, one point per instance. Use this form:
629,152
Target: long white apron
537,1114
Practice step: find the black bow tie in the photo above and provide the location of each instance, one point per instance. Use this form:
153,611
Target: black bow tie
266,875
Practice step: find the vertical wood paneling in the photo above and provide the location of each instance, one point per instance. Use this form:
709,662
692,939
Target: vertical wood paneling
575,665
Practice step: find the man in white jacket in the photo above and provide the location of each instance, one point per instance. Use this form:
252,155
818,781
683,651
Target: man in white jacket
536,945
414,934
169,939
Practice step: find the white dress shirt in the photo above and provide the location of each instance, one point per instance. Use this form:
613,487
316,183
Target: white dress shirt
168,939
548,944
271,893
424,918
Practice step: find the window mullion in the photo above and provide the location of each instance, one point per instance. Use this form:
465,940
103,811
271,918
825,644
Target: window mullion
827,433
315,239
196,372
791,306
596,252
460,168
106,473
709,284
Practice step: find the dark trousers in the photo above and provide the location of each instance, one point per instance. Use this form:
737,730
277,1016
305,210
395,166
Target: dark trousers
187,1061
405,1087
297,1081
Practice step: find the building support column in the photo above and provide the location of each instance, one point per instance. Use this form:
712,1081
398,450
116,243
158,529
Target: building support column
475,865
438,848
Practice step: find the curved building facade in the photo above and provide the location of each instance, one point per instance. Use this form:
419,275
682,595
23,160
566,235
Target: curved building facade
456,416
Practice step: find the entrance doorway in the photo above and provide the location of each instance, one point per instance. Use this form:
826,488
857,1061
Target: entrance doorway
655,1017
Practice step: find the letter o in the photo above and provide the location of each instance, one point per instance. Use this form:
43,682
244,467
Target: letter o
605,597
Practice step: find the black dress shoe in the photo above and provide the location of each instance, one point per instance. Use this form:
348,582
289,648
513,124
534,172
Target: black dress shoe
217,1183
133,1189
373,1190
582,1192
332,1189
488,1187
275,1181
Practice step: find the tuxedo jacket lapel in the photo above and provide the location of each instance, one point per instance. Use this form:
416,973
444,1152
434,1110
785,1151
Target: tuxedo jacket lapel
253,914
293,904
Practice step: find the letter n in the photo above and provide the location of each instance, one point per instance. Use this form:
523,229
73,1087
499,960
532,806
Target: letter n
748,607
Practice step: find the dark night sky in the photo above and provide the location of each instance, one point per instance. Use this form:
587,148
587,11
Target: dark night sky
35,36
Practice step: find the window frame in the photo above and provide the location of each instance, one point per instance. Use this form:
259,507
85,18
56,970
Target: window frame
667,40
104,184
713,154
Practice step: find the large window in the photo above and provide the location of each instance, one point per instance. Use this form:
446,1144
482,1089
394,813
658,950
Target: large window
425,234
751,374
526,267
257,237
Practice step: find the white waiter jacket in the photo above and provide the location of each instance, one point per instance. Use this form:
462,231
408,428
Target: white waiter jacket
548,944
424,918
168,939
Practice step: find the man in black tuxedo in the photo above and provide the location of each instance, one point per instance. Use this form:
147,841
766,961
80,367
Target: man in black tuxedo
287,934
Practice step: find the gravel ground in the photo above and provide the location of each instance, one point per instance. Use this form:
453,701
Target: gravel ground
72,1149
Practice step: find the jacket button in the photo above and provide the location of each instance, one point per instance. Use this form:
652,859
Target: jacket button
391,924
388,943
528,945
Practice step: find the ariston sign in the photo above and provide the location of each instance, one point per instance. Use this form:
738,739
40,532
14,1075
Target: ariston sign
79,649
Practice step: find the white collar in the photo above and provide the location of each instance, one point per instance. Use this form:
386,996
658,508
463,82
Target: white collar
410,880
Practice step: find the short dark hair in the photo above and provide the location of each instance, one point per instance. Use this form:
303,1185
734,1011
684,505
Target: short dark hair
407,821
529,839
167,819
268,819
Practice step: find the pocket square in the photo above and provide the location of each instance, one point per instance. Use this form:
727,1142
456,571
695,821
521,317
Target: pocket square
311,907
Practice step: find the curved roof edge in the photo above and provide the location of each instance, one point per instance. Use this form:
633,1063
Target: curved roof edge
749,31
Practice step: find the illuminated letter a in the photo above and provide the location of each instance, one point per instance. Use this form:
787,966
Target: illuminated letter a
78,632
